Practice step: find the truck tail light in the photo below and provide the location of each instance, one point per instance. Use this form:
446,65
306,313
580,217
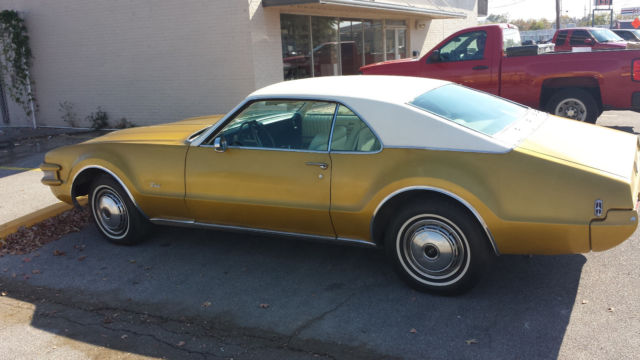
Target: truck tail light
635,70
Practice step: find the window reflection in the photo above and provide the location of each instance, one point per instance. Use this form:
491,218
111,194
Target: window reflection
324,46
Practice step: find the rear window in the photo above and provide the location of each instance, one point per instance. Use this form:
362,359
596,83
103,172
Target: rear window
470,108
510,38
562,37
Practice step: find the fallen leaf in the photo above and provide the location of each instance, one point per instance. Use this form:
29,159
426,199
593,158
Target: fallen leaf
181,343
611,309
59,253
81,258
206,304
472,341
264,306
35,271
585,302
413,331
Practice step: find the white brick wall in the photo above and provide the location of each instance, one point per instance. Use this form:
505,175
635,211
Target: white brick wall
159,61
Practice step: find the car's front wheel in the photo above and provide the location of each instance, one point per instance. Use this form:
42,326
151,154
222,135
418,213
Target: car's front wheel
438,247
114,213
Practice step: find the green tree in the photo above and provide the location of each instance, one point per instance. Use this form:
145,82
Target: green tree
497,19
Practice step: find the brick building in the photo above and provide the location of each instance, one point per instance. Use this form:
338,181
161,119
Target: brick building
160,61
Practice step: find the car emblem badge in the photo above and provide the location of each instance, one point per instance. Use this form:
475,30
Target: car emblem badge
598,208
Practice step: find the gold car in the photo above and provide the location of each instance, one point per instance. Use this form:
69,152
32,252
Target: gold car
441,176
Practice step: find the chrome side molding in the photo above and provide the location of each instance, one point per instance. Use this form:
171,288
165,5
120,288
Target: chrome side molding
257,231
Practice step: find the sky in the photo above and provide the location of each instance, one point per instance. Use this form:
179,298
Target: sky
536,9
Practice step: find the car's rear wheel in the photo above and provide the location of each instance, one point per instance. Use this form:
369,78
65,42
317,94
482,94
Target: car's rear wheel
438,247
575,104
114,213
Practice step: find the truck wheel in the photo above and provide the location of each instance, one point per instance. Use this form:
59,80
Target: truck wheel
437,247
115,215
575,104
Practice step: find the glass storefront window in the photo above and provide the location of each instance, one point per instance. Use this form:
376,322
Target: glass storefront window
324,46
295,46
373,43
351,46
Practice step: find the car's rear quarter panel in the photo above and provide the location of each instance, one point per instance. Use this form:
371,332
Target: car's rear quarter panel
530,204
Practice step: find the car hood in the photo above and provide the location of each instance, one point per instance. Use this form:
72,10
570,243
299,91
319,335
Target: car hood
171,133
388,63
600,148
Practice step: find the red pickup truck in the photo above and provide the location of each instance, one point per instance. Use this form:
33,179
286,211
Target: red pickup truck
576,85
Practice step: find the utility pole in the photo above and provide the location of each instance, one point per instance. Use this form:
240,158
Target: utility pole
557,14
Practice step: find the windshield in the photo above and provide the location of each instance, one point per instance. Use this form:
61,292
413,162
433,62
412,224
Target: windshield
470,108
510,38
605,35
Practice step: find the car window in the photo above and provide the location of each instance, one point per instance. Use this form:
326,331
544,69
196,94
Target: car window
470,108
510,38
562,37
282,124
625,35
468,46
351,134
578,37
605,35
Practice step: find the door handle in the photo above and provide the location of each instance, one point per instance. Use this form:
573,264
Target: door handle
322,165
480,67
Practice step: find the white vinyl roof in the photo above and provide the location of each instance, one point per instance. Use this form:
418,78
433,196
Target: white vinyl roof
383,103
392,89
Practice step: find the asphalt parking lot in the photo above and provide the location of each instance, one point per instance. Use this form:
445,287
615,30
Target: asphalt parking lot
205,294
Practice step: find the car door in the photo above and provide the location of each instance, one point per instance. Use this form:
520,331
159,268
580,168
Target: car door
267,168
581,39
465,59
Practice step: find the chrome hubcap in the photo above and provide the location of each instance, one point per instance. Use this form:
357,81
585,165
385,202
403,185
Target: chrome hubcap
433,247
572,109
110,212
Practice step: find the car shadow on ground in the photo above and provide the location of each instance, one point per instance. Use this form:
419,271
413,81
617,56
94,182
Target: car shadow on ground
206,289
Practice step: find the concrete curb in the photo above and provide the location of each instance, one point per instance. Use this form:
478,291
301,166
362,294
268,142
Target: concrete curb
35,217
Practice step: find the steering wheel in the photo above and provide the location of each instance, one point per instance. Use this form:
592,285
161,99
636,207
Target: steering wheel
259,134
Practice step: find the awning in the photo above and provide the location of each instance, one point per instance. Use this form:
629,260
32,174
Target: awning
405,8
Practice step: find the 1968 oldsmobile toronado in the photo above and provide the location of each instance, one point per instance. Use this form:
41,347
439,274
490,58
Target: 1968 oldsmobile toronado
441,176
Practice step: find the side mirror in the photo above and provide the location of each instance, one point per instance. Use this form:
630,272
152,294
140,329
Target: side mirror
220,144
434,57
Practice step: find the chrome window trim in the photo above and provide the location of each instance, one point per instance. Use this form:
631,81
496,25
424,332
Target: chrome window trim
453,150
444,192
269,149
223,121
133,200
366,124
243,229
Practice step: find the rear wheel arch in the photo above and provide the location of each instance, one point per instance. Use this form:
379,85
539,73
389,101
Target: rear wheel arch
384,213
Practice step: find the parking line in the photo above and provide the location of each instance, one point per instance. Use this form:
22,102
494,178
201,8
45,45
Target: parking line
13,168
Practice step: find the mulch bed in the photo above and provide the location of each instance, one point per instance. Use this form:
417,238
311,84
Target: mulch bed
28,239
